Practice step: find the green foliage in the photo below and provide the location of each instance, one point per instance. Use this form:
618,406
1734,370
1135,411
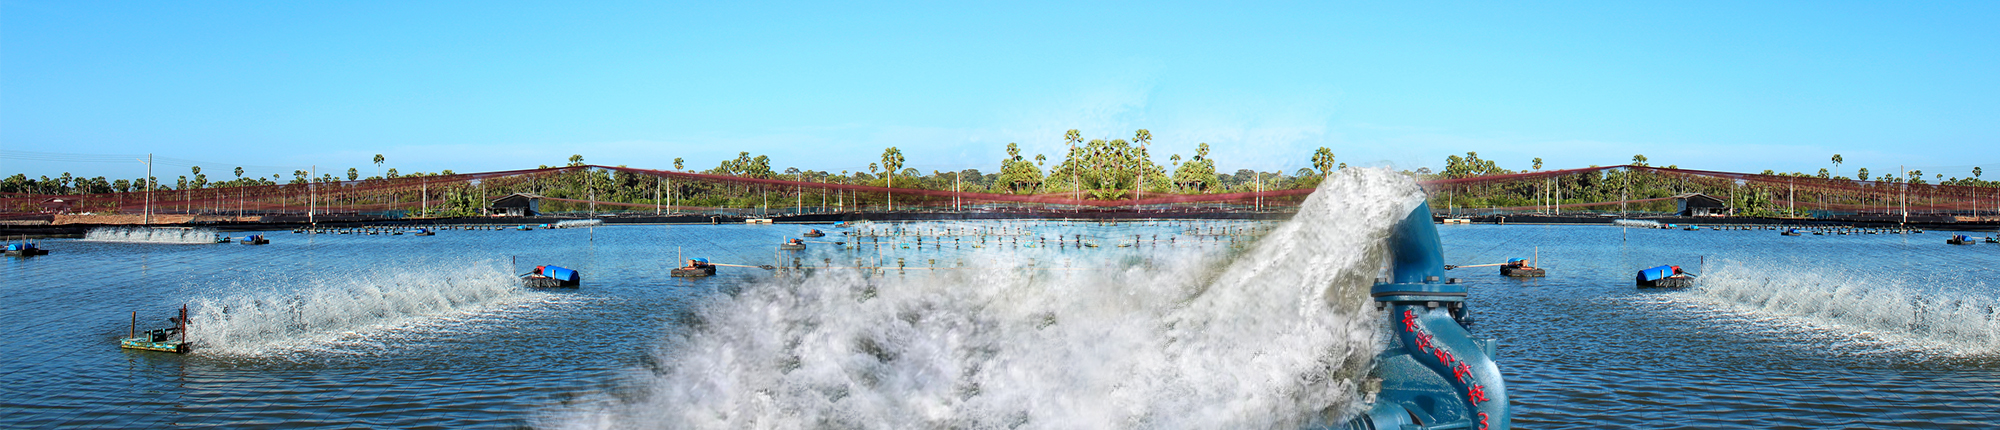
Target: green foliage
1018,174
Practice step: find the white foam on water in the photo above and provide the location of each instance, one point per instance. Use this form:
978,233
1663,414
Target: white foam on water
266,319
1939,315
1635,223
579,223
152,235
1266,338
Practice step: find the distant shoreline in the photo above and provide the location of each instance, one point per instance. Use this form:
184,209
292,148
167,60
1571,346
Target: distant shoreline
46,229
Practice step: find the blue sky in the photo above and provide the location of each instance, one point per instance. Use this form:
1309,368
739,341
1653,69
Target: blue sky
475,86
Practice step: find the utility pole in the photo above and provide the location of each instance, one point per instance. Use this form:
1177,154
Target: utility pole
590,190
150,183
656,196
1905,193
312,191
1625,195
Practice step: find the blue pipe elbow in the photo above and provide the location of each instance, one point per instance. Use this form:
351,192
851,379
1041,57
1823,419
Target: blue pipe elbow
1435,374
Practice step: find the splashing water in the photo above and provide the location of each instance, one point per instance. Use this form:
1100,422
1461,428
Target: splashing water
1636,223
262,320
579,223
1272,337
152,235
1861,304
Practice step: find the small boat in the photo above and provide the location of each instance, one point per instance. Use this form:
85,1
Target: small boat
25,249
1792,232
793,245
255,239
696,268
524,228
1992,239
1960,239
552,277
814,233
171,339
425,232
1664,277
1519,268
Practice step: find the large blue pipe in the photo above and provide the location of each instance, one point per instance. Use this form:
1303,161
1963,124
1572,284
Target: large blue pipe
1436,374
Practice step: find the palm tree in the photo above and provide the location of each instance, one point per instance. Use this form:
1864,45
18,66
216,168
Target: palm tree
575,160
678,163
1836,164
1323,160
892,159
1637,159
1538,163
1975,172
353,173
1143,137
378,164
1072,137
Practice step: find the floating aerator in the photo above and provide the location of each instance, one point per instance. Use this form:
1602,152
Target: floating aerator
552,277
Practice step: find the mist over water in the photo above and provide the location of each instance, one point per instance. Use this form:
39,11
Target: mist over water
296,314
1266,338
152,235
1941,314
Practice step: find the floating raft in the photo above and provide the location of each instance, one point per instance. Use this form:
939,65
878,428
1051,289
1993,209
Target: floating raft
255,239
814,233
694,272
792,247
1960,239
147,344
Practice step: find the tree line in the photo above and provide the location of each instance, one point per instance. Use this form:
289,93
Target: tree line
1095,169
